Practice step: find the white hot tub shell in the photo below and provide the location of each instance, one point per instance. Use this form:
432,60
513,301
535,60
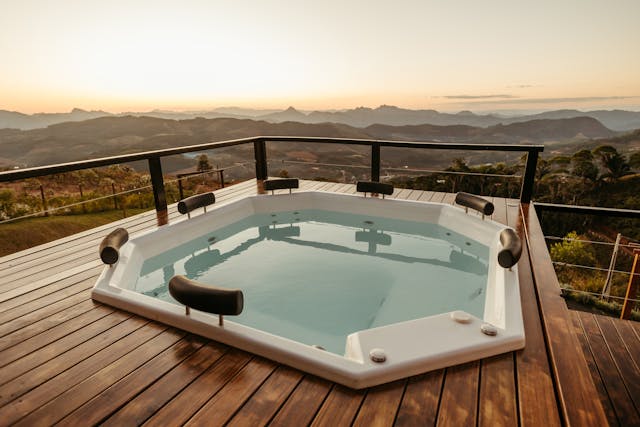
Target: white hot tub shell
409,348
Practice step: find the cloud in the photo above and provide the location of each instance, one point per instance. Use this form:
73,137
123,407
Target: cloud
492,96
558,100
520,86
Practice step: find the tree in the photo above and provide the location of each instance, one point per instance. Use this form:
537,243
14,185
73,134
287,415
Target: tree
203,163
612,161
458,165
573,251
634,160
582,165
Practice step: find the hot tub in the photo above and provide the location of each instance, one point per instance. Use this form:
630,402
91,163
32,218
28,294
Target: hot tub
360,291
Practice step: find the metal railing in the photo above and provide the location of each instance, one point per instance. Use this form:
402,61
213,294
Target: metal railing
261,166
634,275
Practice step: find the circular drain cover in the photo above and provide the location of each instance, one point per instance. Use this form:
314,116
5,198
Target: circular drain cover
461,316
489,329
378,355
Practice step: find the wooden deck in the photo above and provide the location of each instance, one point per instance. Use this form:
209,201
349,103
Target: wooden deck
66,359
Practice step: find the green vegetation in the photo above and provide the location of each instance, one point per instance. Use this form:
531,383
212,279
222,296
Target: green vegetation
601,176
26,233
81,200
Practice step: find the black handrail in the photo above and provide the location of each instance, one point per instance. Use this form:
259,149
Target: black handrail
260,154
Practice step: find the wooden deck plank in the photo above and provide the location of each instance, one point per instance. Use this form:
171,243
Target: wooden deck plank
448,199
65,285
143,406
498,400
27,314
124,390
29,292
438,196
186,403
75,396
572,378
425,196
620,353
605,400
420,402
46,270
620,398
47,323
537,402
500,211
266,401
631,340
400,193
19,288
459,400
47,381
381,405
340,407
21,360
303,403
224,404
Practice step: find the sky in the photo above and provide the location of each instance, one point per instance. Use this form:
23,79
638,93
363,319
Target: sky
450,55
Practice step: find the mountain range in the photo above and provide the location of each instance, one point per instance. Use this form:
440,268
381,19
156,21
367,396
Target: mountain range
106,136
361,117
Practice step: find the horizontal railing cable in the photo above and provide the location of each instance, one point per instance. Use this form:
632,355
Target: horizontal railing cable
587,267
58,208
596,242
111,196
597,294
206,172
335,165
445,172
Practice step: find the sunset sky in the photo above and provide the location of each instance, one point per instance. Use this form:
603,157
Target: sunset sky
449,55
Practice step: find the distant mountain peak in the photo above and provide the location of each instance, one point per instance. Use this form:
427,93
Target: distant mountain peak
385,107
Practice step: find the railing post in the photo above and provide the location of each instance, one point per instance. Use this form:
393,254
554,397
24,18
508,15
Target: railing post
115,199
260,153
44,201
632,287
529,177
180,189
159,196
221,172
375,162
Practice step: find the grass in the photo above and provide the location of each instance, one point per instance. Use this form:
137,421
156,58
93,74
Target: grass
27,233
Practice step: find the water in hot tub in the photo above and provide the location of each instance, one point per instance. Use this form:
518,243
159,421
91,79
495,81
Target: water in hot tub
316,276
